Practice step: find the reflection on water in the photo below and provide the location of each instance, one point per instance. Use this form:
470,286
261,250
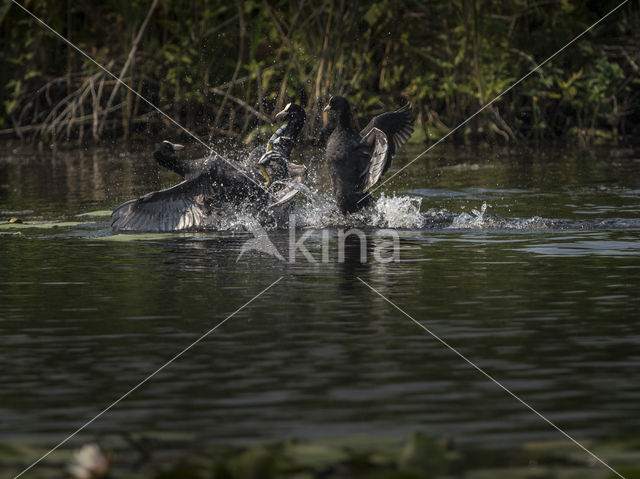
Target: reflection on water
548,307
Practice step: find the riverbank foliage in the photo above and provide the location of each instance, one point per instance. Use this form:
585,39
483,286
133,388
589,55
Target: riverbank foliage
223,68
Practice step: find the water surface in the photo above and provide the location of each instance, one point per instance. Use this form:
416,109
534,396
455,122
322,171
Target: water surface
540,290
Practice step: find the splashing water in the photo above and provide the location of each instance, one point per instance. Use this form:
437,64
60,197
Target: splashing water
321,211
318,210
476,220
229,220
480,220
296,185
483,209
397,212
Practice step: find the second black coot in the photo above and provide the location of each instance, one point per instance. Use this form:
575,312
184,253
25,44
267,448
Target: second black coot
213,182
357,161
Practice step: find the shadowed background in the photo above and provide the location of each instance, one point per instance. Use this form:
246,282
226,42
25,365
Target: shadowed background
222,68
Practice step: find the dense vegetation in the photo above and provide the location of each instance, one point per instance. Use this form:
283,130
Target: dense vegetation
221,68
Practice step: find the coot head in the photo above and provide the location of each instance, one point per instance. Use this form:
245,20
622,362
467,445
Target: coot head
274,163
167,149
339,110
171,147
165,156
291,112
337,103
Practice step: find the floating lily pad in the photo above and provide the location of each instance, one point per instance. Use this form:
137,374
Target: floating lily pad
559,445
314,456
16,212
537,472
43,224
129,237
256,462
13,450
423,455
336,457
95,213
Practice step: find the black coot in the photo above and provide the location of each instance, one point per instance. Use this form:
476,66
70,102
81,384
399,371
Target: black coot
356,161
213,182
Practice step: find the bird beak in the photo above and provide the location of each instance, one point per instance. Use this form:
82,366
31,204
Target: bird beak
327,108
282,115
177,147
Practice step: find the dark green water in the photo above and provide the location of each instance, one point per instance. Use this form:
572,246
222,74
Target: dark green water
543,295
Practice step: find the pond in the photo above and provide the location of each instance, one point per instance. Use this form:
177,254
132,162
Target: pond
526,262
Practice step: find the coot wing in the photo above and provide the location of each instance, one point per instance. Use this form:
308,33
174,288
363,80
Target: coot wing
298,174
177,208
397,125
198,165
376,145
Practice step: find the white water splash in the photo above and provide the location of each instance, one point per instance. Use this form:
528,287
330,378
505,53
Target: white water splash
318,210
321,211
474,220
481,220
400,212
